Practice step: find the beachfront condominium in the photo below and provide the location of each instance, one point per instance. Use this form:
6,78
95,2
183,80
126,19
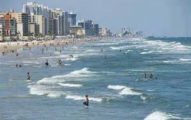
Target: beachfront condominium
96,29
60,21
1,32
14,23
33,29
66,23
40,21
22,23
72,19
33,8
56,20
90,28
104,32
9,24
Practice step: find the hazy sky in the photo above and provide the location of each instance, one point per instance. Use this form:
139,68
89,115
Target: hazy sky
154,17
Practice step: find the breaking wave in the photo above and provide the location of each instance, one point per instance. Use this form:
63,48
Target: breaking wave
80,98
53,86
157,115
70,85
124,90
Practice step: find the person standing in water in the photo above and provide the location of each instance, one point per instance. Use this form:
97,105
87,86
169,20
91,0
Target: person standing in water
28,76
60,62
151,76
86,102
46,63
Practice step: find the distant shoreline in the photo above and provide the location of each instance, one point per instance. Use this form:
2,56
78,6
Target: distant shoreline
167,38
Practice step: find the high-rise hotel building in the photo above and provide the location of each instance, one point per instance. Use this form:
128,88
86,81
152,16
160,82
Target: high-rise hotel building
22,23
9,24
55,20
72,19
61,21
33,8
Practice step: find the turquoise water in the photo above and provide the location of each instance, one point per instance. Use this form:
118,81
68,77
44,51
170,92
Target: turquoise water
111,71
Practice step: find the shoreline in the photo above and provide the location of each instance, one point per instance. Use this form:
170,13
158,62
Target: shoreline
12,47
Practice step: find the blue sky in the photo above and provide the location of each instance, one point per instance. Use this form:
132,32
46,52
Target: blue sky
154,17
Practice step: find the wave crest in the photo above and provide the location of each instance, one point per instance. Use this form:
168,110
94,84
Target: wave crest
81,98
157,115
124,90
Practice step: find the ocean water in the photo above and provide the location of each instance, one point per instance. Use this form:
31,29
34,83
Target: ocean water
126,79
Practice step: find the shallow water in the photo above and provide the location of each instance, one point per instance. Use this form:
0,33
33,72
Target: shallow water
112,72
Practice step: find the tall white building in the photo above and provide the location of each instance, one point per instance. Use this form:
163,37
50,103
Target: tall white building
40,21
61,22
33,8
56,20
57,15
1,32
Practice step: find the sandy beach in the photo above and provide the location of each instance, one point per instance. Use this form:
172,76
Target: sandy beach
11,47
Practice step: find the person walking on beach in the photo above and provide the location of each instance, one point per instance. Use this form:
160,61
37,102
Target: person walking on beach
86,102
28,76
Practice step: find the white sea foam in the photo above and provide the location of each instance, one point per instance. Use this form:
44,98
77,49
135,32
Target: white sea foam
106,44
185,60
50,86
45,90
36,90
62,78
71,58
51,80
158,46
81,98
128,51
116,87
148,52
39,89
123,90
166,47
70,85
157,115
65,57
129,91
91,51
55,94
119,48
67,64
74,97
80,73
28,62
178,61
